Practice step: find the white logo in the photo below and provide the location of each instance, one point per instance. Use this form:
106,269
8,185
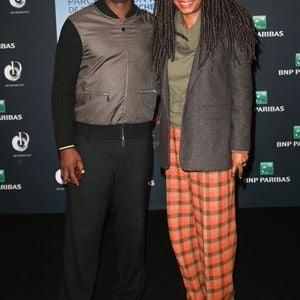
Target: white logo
13,71
4,46
17,3
21,141
151,183
11,117
58,178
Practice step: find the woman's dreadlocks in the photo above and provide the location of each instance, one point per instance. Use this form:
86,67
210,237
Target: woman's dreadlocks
218,18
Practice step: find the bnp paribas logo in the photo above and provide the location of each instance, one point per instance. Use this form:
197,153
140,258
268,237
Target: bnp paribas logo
261,97
297,60
2,106
2,176
297,132
266,168
262,104
260,22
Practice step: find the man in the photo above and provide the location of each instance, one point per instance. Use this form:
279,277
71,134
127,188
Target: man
103,103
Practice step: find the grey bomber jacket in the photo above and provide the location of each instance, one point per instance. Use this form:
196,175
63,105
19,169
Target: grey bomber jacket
115,84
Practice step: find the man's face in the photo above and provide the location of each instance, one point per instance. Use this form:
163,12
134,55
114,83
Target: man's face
188,7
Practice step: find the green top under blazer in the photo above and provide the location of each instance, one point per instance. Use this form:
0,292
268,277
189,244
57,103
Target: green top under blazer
179,69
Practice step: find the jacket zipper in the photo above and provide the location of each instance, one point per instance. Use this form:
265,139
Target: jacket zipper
123,136
126,81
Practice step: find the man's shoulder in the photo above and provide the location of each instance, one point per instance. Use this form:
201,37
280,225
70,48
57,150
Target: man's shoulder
86,11
148,17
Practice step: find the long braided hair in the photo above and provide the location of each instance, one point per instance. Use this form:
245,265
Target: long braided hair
218,18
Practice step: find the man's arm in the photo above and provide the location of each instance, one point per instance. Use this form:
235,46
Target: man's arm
67,65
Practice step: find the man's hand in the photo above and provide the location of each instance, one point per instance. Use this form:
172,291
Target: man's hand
239,160
71,165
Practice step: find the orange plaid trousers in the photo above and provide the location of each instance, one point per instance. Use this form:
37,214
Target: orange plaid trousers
202,227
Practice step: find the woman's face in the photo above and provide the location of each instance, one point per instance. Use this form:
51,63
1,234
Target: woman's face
188,7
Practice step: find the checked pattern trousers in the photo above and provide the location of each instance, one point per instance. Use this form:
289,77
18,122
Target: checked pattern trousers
202,227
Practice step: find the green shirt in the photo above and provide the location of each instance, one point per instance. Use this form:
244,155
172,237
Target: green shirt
179,70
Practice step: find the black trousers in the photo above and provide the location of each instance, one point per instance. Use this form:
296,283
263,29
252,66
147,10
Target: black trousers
117,174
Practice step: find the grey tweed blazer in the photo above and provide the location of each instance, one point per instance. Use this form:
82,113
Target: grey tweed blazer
216,116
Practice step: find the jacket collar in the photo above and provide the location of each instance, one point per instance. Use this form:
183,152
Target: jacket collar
101,5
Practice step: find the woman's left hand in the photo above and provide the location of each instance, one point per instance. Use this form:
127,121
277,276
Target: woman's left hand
239,161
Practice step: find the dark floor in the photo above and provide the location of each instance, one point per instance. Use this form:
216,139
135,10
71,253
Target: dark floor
267,268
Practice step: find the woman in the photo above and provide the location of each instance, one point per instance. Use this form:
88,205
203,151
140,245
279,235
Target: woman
202,51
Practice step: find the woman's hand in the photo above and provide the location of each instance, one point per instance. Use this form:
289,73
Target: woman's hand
239,161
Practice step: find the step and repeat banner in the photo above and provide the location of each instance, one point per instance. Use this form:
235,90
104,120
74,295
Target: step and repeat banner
29,172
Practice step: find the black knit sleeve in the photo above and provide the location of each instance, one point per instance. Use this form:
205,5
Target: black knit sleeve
67,64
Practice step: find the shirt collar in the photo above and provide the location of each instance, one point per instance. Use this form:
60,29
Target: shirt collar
101,5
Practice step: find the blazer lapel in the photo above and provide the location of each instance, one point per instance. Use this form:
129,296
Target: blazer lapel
195,70
165,87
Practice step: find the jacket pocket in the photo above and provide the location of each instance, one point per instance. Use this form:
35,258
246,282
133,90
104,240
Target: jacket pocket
93,107
92,96
147,99
96,94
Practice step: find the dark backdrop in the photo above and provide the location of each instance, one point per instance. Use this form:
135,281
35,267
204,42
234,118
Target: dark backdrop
28,158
